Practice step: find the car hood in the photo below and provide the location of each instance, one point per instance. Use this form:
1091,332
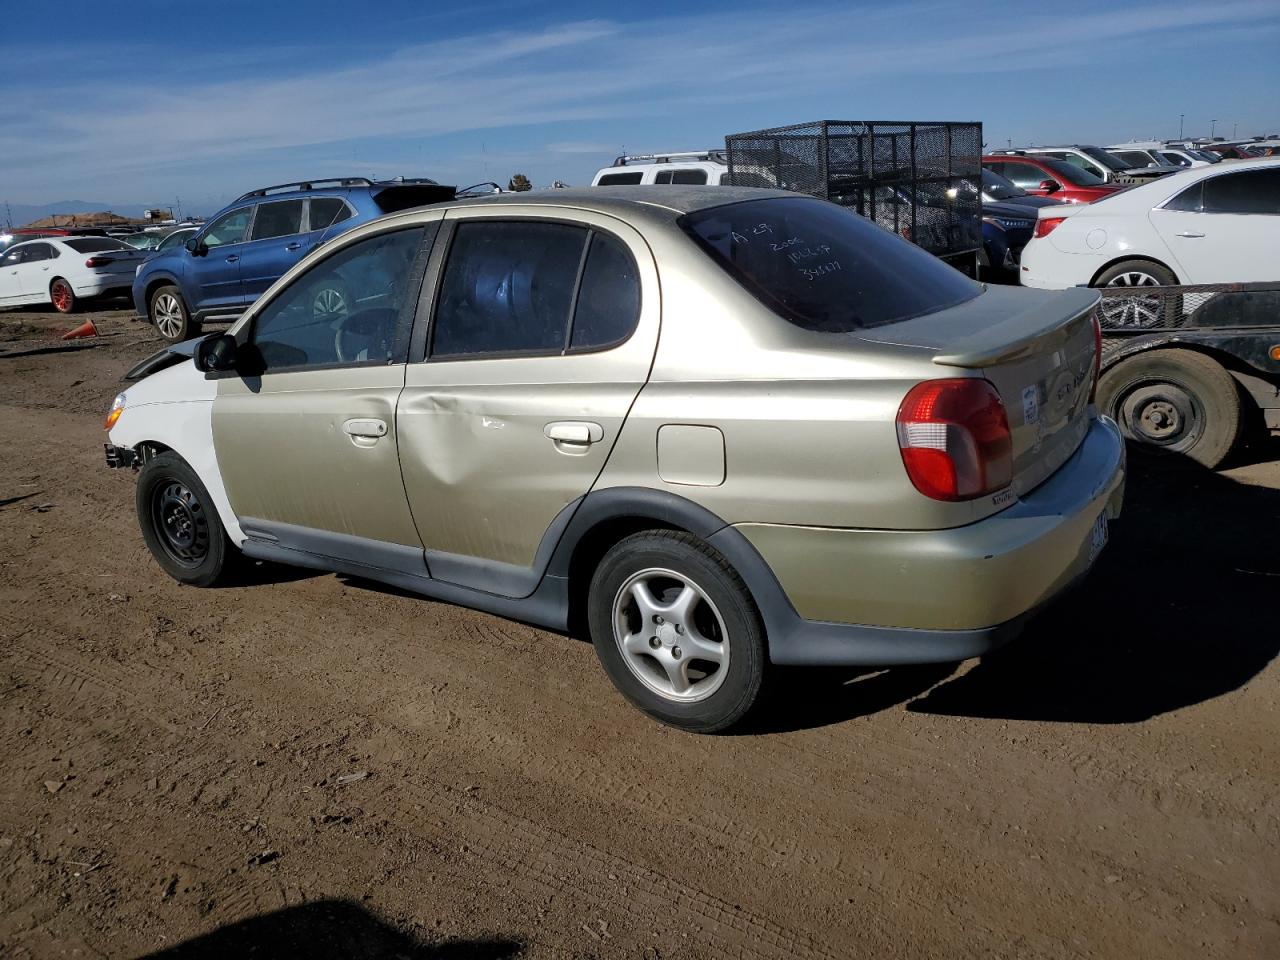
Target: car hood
1017,211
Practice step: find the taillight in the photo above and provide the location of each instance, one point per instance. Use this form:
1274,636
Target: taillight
97,261
1097,356
1046,226
955,439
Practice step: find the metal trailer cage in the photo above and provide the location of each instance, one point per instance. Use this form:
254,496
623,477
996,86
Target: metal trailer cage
920,180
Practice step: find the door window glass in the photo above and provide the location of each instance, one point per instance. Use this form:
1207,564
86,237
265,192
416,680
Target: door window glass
507,288
1189,200
36,252
1176,158
1249,191
1024,175
12,258
692,176
345,310
620,179
608,296
229,228
663,176
326,211
282,218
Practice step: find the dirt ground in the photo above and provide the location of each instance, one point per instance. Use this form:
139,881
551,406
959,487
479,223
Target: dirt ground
308,765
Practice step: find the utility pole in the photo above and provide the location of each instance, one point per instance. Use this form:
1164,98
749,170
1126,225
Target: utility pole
1181,117
1212,124
8,216
1234,124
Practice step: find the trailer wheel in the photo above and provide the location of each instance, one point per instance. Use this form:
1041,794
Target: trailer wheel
1174,401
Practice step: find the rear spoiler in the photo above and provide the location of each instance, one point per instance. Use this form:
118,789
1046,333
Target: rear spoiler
1020,333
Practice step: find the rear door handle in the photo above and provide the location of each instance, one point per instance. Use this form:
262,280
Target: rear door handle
293,246
233,258
365,431
574,433
1189,234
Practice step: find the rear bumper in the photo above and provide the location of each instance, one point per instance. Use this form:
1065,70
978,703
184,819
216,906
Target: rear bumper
880,597
97,286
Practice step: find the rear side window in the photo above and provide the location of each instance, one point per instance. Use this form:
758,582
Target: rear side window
512,287
1189,200
693,176
620,179
608,296
326,211
823,267
1249,191
96,244
280,219
38,251
507,288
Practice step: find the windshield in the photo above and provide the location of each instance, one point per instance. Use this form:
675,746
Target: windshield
823,267
1104,158
996,187
1069,173
1206,155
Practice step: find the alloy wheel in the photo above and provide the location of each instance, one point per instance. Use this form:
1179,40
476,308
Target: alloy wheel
168,315
1132,311
670,634
60,294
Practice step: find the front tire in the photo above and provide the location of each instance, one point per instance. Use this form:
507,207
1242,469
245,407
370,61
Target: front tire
170,316
677,631
1174,401
180,524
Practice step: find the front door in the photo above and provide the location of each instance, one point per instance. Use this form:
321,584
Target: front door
1224,229
307,445
11,276
543,332
215,267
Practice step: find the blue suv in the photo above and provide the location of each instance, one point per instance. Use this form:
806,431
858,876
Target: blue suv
251,242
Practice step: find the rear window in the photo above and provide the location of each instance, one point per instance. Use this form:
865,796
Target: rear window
95,244
823,267
620,179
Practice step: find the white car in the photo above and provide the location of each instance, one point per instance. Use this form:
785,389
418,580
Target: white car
1218,224
65,270
693,168
1152,153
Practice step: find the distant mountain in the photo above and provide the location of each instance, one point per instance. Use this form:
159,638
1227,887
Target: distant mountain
24,213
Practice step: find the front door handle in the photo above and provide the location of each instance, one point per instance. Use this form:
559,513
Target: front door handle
365,431
1189,234
233,258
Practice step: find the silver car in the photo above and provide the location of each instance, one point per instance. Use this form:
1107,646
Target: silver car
716,428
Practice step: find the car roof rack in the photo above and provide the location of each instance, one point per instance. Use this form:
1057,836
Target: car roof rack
711,156
307,185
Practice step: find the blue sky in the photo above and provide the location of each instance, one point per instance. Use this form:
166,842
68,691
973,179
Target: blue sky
147,100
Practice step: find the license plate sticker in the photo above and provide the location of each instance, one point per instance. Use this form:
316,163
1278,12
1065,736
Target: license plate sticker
1098,537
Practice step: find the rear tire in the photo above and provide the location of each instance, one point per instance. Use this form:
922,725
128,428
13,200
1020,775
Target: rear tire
62,296
676,630
170,316
1157,310
1174,401
180,524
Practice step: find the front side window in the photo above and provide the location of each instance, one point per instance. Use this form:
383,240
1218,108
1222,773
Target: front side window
326,211
823,267
12,258
620,179
175,239
345,310
1024,175
1075,160
229,228
282,218
1176,158
1249,191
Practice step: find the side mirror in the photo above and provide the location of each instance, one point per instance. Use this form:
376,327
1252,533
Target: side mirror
216,353
196,246
1050,186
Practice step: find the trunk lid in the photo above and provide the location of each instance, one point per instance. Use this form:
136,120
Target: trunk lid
1038,351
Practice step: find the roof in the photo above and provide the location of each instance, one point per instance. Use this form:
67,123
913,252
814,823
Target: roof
670,198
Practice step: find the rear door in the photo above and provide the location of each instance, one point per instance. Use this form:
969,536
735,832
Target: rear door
215,267
1224,229
307,440
275,244
543,329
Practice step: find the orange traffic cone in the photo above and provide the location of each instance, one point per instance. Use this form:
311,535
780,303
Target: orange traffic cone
86,329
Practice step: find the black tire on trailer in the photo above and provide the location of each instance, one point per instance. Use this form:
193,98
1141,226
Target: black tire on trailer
1174,401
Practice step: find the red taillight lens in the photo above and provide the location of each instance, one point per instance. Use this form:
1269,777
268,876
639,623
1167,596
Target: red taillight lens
1097,356
97,262
955,439
1046,226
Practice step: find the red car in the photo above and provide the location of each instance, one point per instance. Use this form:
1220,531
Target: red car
1230,151
1049,177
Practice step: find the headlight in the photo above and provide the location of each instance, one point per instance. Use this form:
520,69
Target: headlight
117,408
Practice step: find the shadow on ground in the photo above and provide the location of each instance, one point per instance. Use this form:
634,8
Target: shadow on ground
328,930
1180,609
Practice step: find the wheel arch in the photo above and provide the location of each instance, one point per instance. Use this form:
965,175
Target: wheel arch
1114,261
154,283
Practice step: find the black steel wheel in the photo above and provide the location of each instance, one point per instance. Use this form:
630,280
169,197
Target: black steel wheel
179,523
